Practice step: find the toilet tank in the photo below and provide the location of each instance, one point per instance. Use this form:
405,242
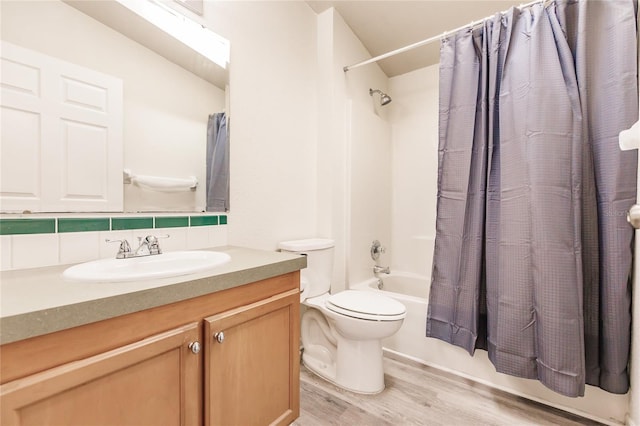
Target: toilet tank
315,279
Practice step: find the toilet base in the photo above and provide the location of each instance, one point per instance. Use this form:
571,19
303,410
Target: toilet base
359,365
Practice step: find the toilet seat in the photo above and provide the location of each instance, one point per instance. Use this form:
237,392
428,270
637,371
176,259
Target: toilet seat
366,305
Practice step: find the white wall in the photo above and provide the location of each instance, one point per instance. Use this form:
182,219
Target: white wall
165,106
415,156
332,150
273,114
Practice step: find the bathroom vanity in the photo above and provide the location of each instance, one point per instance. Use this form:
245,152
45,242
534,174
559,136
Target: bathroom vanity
215,348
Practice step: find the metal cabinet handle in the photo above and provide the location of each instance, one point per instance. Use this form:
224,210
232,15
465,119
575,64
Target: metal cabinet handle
195,347
633,216
219,337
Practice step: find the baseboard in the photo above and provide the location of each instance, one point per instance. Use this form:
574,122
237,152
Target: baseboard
461,376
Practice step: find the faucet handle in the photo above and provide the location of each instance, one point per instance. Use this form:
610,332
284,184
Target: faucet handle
376,250
152,243
124,248
124,244
153,239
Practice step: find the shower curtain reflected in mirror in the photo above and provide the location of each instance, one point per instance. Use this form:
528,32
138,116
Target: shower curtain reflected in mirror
533,254
217,163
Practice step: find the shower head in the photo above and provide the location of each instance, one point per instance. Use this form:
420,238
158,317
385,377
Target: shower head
384,98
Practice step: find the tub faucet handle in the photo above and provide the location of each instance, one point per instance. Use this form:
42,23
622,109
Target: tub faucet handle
377,269
376,250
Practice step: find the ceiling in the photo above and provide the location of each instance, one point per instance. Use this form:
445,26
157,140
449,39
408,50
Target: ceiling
383,26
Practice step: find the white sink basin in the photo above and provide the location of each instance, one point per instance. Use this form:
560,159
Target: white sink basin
148,267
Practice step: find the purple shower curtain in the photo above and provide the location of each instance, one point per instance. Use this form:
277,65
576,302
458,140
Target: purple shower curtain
217,163
533,254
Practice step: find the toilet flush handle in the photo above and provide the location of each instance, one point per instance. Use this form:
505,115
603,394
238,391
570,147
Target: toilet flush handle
304,288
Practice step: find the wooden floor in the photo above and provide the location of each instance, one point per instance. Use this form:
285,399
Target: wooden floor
419,395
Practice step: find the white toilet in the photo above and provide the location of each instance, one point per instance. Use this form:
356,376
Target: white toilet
341,333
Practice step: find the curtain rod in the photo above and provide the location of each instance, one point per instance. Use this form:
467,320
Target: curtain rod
429,40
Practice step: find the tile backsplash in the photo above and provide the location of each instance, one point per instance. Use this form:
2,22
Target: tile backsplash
58,240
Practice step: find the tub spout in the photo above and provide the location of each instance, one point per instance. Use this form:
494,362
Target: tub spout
381,270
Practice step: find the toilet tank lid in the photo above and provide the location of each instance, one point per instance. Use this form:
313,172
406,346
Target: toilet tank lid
305,245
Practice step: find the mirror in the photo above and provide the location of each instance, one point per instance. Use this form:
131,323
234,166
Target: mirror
169,90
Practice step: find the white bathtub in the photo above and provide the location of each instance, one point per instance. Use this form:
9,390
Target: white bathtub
400,284
412,290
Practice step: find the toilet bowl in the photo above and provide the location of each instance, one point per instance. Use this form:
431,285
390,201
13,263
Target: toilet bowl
341,333
344,348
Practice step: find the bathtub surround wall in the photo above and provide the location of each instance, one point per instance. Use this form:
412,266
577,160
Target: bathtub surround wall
28,242
414,165
369,137
354,150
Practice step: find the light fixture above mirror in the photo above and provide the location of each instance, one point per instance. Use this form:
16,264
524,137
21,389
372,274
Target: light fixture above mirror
168,33
181,27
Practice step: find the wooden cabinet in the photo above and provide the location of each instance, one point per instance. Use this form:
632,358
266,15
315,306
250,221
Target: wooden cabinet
252,357
143,369
153,381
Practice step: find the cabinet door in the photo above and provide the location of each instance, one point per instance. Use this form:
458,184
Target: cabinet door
252,363
151,382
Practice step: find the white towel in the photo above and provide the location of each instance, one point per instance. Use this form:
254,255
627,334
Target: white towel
164,184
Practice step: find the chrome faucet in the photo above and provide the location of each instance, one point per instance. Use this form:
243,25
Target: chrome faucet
147,246
124,251
381,270
376,250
